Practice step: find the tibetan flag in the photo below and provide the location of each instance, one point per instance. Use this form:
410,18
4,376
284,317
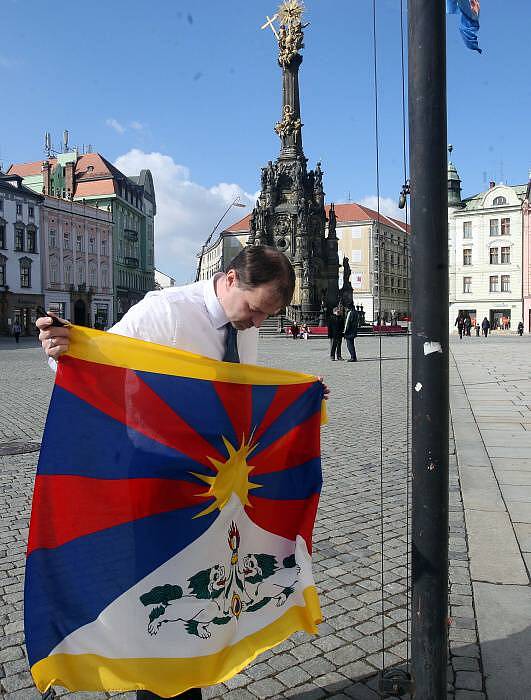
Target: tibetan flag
171,528
469,11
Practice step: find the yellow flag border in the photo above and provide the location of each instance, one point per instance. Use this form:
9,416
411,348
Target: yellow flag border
167,677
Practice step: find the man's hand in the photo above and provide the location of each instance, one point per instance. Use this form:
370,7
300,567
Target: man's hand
54,339
326,394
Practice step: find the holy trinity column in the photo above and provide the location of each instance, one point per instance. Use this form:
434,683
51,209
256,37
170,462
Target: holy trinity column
290,212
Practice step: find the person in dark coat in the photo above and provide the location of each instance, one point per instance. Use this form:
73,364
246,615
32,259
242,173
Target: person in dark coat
521,328
335,333
351,331
468,325
478,329
485,326
460,323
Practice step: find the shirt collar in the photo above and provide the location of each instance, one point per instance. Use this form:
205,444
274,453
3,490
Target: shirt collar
214,308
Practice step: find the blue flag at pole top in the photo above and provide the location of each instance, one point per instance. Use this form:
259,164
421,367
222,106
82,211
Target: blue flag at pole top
469,11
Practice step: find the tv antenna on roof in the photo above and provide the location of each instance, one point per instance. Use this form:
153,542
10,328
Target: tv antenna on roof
65,141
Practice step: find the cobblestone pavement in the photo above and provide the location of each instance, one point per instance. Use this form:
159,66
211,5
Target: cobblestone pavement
343,660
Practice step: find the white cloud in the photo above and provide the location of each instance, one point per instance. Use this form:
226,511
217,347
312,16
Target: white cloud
186,210
388,206
137,126
115,124
6,62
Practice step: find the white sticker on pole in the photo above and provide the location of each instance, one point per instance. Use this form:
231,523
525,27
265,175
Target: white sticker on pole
431,346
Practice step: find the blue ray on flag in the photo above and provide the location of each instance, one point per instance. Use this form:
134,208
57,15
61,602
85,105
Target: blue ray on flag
469,11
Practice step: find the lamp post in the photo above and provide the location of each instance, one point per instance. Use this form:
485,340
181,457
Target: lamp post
235,203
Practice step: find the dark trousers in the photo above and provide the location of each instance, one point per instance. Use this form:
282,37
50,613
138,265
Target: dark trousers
17,336
335,348
192,694
351,348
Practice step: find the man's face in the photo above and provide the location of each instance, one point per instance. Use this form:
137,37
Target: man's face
248,307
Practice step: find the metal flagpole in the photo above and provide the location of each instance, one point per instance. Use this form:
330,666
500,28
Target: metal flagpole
429,257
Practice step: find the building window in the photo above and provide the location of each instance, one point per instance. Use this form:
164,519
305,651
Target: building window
1,205
494,227
58,307
494,256
19,209
31,241
92,244
93,277
79,243
104,277
31,212
506,255
467,229
52,238
68,273
66,240
506,283
2,234
25,272
494,283
467,285
467,256
19,238
53,270
506,227
3,260
81,273
104,246
499,200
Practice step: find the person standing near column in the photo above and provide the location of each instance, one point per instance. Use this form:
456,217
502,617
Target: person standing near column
17,330
217,318
351,331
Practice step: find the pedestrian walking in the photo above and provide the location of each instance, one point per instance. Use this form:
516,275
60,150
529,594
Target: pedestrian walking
485,326
17,330
351,331
335,333
460,323
294,331
520,328
478,329
467,325
217,318
305,331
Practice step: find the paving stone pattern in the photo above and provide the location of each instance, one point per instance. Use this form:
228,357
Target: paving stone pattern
343,660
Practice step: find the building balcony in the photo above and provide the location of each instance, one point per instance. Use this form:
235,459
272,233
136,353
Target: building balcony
130,235
131,262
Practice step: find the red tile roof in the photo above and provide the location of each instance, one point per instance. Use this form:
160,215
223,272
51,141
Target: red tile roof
95,187
27,169
344,213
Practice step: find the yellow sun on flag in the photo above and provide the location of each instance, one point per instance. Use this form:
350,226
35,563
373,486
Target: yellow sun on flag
232,477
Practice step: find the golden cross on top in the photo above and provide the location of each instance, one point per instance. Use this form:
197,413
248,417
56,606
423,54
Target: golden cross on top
269,23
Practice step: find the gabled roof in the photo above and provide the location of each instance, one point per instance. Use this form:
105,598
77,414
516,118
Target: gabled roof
344,213
477,200
27,169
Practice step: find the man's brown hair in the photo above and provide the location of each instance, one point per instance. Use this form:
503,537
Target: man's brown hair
256,265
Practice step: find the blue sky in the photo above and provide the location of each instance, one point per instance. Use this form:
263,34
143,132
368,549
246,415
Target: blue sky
192,90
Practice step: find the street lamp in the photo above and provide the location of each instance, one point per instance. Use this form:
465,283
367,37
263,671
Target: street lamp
235,203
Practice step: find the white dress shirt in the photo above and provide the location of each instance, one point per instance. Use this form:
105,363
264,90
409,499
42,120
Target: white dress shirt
186,318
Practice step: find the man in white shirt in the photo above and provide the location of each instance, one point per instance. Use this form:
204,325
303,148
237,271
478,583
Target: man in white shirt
218,318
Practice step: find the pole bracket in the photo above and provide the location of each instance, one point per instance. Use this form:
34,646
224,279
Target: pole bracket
395,683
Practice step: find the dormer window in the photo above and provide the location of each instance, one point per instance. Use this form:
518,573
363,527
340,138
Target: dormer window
498,201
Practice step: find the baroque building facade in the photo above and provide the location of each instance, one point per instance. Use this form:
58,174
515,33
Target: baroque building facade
485,235
21,297
77,261
131,202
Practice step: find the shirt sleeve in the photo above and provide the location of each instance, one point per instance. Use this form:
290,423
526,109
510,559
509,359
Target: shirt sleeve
150,320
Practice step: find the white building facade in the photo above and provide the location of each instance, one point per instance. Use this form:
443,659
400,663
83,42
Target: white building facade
485,256
21,294
77,262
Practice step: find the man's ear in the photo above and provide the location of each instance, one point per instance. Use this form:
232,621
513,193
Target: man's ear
232,278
